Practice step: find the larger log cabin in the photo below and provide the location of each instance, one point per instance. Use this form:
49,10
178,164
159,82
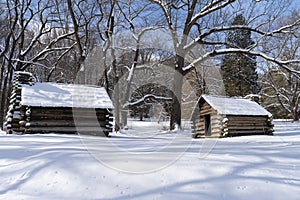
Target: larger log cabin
217,116
59,108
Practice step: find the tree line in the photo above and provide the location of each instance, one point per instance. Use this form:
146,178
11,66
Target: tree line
254,43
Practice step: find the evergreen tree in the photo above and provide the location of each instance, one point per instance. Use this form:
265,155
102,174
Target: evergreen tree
239,70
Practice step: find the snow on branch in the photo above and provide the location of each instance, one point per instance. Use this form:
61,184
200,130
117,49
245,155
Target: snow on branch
168,17
144,98
283,29
50,48
165,10
213,6
282,63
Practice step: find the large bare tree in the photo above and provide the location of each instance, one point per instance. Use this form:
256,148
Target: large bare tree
198,22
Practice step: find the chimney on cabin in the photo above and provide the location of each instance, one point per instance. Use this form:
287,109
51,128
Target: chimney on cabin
254,97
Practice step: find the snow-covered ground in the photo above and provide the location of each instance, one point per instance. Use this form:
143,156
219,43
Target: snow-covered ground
145,164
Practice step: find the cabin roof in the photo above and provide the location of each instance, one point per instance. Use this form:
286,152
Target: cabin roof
235,106
65,95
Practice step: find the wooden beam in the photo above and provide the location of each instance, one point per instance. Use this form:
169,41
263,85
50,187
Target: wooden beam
67,117
66,129
247,118
247,132
51,110
248,128
66,123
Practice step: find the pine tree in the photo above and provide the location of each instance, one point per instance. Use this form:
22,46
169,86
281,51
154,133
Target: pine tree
239,70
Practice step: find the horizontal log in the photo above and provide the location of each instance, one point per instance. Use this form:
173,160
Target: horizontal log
198,120
215,130
18,129
213,124
199,129
216,116
15,125
246,122
249,132
212,128
198,135
16,120
22,123
67,130
67,117
67,110
66,124
205,106
247,118
212,119
214,134
100,119
249,127
207,112
66,114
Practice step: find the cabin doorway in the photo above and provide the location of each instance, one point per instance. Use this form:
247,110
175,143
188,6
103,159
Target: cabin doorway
207,123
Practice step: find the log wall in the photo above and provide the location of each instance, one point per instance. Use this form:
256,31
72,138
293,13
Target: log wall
229,125
67,120
199,122
247,125
26,119
13,116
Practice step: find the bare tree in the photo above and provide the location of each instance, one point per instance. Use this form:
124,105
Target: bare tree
29,39
53,38
207,23
281,87
22,18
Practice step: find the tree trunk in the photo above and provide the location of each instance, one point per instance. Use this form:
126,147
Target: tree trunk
117,108
141,116
124,118
296,116
177,95
296,112
1,93
129,82
176,107
4,99
116,92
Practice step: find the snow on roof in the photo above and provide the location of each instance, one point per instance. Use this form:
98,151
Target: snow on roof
235,106
65,95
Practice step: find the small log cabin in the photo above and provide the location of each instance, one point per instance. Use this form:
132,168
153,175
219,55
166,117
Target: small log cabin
218,116
59,108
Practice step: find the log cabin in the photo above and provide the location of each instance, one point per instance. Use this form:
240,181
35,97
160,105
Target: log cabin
216,116
58,108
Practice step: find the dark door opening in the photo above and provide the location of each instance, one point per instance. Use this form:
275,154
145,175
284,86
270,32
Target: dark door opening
207,121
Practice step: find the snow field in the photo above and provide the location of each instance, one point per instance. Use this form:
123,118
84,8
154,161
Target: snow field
55,166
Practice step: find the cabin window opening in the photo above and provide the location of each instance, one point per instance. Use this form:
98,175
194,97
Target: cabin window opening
207,121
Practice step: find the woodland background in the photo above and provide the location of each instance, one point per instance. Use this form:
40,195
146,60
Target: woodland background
255,46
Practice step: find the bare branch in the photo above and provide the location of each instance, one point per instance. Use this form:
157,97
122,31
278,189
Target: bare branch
144,98
281,63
